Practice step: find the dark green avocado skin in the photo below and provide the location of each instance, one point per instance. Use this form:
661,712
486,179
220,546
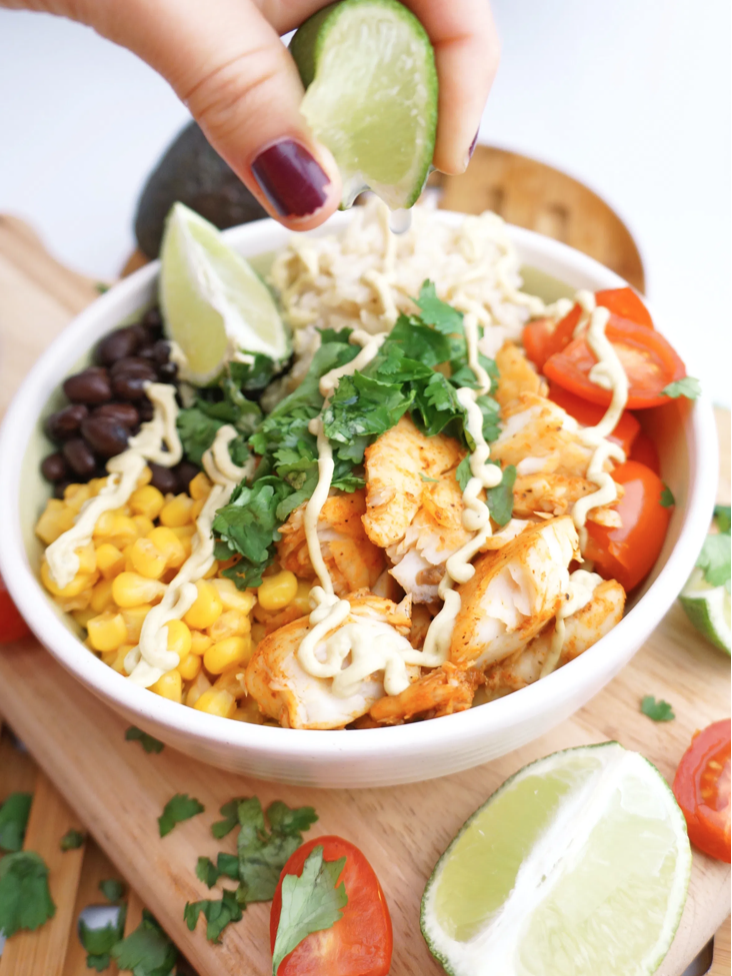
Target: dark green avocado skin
194,173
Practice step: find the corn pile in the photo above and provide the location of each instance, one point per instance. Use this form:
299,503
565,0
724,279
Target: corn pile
135,551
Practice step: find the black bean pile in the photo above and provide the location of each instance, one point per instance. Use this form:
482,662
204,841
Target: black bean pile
107,406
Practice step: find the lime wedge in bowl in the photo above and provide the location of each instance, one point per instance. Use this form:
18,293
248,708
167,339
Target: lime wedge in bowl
708,608
213,303
371,95
578,864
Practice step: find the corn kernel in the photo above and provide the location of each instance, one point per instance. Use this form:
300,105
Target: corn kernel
75,603
177,512
96,485
196,508
248,711
167,542
211,571
207,607
124,531
200,487
104,525
144,525
259,632
233,598
179,638
189,667
199,642
110,561
278,591
146,559
101,595
199,686
145,477
76,495
134,617
170,685
82,581
232,680
216,702
302,597
55,520
107,631
184,531
223,654
231,623
116,659
87,558
130,589
82,617
147,501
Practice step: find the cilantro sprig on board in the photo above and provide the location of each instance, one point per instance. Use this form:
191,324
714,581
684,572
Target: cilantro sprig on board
13,821
657,710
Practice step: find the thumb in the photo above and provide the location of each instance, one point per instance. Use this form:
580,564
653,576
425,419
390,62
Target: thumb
228,65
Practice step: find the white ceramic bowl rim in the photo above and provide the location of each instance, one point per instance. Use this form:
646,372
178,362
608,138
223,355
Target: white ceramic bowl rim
411,739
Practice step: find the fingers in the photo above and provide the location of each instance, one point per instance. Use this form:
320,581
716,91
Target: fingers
467,51
230,68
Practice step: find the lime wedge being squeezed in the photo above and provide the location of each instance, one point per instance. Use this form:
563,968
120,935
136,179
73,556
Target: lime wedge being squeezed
371,95
214,305
577,866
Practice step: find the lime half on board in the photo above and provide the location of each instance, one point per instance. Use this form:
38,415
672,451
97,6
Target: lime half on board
213,303
577,866
371,95
708,608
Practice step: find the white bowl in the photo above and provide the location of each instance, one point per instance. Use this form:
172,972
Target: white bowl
684,433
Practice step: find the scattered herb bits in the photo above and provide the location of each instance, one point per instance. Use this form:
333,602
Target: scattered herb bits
13,821
71,840
217,912
179,808
99,942
659,711
112,889
148,743
25,900
147,951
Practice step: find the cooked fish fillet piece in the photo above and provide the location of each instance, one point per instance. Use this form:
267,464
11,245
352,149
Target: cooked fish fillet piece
583,629
556,494
353,561
285,692
516,375
514,592
440,692
538,436
395,466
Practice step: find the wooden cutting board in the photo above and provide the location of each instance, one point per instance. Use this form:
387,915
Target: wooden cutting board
118,791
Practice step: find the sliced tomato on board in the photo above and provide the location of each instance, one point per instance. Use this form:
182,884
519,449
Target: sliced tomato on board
702,790
360,942
628,553
12,625
649,361
644,451
590,414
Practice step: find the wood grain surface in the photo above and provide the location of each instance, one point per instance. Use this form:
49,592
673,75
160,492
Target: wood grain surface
117,791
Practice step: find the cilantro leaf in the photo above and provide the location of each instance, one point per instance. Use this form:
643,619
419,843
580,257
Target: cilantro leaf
427,480
722,516
229,812
112,889
218,914
659,711
714,559
25,901
500,498
180,807
254,375
147,951
207,871
13,820
442,316
148,743
99,942
688,387
310,903
72,840
463,473
667,499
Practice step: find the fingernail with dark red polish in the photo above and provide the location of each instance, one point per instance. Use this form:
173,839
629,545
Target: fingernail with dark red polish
291,179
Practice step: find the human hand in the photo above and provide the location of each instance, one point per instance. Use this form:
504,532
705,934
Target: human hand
225,61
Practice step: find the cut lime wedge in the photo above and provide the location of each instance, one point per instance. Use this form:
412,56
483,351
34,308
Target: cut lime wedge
371,98
708,608
213,304
577,865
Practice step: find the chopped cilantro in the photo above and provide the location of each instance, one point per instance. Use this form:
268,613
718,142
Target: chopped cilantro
667,497
231,818
659,711
148,743
147,951
102,287
209,873
13,820
71,840
435,312
198,424
254,375
178,808
714,558
688,387
112,889
311,902
500,498
218,913
25,901
722,515
99,942
431,481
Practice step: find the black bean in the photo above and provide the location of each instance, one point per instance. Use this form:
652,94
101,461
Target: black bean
133,366
131,387
147,352
145,409
162,351
92,385
164,479
54,467
120,343
167,372
123,413
104,435
185,471
153,318
59,488
80,457
65,423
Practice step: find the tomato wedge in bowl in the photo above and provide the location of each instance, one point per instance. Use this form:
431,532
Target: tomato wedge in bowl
702,790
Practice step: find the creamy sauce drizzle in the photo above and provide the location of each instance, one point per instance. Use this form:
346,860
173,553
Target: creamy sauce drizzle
582,586
124,472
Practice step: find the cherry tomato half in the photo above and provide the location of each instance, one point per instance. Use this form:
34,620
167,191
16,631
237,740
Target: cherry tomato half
644,451
628,553
649,361
624,303
590,414
12,625
360,942
702,789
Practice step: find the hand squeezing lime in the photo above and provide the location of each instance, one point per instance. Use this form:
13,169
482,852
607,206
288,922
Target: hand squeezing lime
371,95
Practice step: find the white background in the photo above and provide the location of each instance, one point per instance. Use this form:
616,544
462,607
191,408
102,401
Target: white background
632,97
